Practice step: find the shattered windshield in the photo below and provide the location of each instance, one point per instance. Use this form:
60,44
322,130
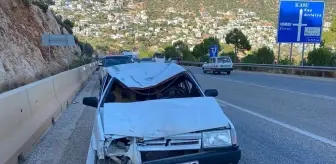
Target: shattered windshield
180,86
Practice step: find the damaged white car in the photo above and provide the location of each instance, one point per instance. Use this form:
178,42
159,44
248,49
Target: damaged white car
153,113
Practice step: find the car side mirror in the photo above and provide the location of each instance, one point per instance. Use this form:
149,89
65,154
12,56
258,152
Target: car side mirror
90,101
211,92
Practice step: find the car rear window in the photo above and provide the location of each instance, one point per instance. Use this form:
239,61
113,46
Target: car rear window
224,60
108,62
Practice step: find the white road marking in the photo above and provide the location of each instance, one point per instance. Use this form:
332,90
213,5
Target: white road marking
293,128
279,89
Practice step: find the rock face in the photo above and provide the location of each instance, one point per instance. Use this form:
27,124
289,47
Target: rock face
22,57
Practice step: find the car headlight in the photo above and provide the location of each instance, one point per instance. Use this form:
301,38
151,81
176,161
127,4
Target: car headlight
220,138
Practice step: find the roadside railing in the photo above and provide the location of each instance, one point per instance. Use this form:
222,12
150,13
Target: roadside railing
275,68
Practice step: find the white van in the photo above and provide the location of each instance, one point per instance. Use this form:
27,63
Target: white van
218,65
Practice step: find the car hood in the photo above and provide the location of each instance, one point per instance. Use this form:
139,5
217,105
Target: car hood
164,117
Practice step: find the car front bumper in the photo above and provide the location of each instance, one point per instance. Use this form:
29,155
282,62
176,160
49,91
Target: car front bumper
220,156
222,69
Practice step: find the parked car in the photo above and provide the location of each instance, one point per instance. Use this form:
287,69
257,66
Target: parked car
109,61
173,60
218,65
155,113
159,57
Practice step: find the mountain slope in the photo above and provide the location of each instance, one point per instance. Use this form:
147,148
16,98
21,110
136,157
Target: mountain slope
22,57
265,9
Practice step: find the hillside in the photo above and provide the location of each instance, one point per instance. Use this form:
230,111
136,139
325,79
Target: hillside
22,57
151,25
265,9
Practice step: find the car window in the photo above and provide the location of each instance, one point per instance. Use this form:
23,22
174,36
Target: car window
146,59
108,62
181,86
159,55
224,60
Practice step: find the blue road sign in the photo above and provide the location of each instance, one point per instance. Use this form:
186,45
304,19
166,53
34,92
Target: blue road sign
300,21
58,40
213,51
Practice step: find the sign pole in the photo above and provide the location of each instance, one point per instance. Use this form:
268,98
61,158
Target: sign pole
279,53
314,46
67,43
291,52
302,58
49,54
49,58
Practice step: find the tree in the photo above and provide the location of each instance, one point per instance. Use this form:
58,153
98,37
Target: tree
265,55
204,59
202,49
50,2
41,4
333,25
320,57
68,23
171,52
251,58
333,60
183,49
198,51
238,39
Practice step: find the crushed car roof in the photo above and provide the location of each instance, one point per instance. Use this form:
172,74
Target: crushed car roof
144,75
163,117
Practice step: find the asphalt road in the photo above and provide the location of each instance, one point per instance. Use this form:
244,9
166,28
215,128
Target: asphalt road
67,141
278,118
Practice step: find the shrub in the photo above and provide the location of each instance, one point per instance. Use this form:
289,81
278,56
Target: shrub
320,57
27,2
265,55
68,25
252,58
286,61
42,5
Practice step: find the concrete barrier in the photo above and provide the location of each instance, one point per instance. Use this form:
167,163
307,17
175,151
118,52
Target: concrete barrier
16,124
26,112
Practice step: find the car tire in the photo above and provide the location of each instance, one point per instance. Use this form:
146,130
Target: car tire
102,161
229,72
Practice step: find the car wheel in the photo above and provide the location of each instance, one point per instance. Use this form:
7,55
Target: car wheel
102,161
228,72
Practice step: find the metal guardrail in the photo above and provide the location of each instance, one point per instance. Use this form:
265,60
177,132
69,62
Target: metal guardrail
287,69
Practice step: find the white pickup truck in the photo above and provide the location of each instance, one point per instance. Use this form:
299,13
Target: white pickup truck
218,65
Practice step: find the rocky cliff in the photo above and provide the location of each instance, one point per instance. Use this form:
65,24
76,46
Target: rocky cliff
22,57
